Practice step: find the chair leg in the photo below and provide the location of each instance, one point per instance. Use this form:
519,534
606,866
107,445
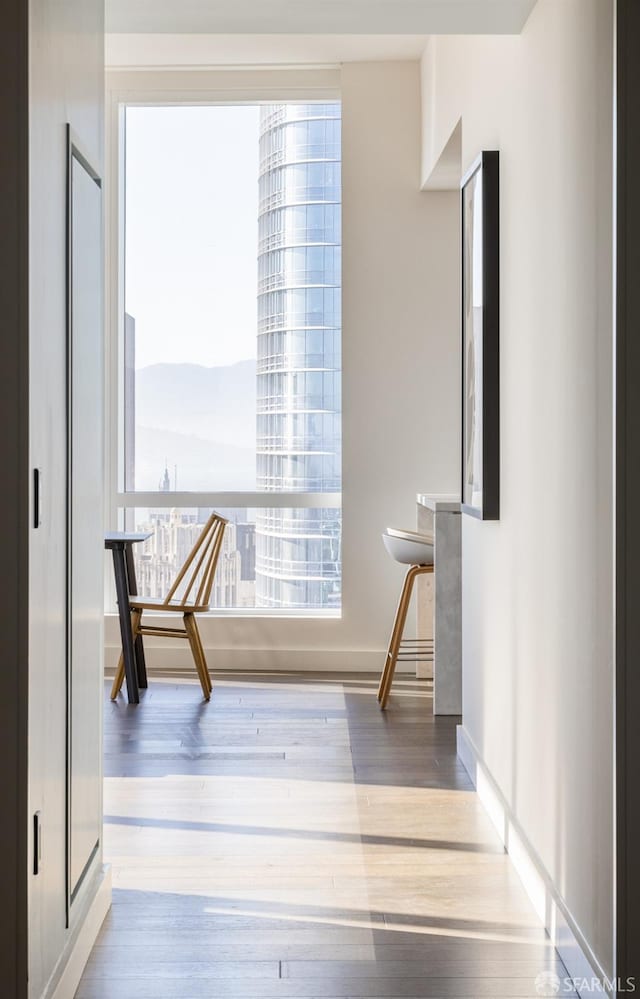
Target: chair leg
136,617
396,636
195,652
118,678
203,658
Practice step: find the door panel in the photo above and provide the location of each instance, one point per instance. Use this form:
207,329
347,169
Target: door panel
86,540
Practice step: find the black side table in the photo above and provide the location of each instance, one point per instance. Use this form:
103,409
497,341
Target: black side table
121,545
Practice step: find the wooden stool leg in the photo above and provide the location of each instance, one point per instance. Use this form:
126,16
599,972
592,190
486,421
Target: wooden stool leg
396,636
195,652
118,679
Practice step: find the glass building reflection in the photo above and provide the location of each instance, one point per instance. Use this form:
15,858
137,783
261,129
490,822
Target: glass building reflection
299,355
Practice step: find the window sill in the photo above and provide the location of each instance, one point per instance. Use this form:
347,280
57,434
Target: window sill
250,612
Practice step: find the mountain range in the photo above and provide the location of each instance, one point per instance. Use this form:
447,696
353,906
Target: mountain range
200,421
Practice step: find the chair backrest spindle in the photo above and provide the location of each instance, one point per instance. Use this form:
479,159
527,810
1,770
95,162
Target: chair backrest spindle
206,583
200,563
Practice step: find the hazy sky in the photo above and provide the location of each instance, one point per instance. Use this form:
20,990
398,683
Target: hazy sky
191,233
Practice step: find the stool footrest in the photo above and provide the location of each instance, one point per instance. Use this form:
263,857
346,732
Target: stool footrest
414,659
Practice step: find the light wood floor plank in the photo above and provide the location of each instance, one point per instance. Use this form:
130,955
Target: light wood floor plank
290,840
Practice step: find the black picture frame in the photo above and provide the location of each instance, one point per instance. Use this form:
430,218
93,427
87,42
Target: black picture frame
480,301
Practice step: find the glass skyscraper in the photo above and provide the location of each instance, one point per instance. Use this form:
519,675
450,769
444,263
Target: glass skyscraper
299,358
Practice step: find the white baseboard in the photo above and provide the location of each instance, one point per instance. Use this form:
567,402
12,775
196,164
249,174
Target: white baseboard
176,657
570,943
65,981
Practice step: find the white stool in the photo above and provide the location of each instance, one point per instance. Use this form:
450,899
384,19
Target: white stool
416,551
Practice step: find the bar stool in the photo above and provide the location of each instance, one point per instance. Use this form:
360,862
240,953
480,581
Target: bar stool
416,551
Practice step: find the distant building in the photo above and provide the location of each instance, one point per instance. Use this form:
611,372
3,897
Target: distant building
164,486
246,542
159,559
299,352
129,402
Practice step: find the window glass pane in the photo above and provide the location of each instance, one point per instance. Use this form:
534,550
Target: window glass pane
298,560
271,558
190,289
209,348
231,371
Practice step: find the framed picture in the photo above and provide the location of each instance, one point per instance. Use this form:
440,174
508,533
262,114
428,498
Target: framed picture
480,191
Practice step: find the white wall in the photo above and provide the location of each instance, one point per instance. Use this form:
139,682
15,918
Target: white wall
400,357
537,586
400,341
66,56
306,16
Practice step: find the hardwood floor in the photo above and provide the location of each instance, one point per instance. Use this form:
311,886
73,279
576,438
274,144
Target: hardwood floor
290,839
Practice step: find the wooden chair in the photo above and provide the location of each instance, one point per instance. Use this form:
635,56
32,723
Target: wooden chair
196,576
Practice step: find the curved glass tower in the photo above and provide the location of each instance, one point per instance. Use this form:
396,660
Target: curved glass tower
299,356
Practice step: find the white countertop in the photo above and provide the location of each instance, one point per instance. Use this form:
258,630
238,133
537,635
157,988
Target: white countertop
439,502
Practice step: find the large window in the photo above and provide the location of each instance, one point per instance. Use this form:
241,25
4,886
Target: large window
230,356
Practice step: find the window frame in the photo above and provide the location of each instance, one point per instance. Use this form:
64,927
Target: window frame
147,94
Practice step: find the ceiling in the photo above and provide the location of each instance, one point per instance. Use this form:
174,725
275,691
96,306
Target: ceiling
276,17
191,50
